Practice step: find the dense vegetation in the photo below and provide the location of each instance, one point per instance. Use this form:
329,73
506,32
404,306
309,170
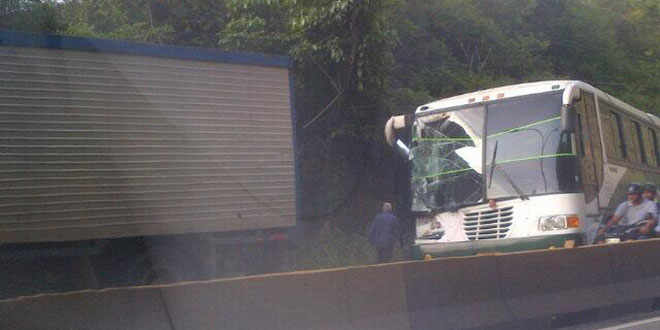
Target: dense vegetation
358,61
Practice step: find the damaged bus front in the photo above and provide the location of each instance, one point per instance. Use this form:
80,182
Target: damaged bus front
493,173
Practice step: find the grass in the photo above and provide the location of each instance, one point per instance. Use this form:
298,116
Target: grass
337,248
129,264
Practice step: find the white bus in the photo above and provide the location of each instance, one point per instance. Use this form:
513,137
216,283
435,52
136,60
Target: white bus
521,167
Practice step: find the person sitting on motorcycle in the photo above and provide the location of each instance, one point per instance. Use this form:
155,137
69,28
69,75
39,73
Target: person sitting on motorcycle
649,193
633,211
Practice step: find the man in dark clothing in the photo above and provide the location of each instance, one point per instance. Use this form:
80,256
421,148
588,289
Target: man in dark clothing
384,232
650,192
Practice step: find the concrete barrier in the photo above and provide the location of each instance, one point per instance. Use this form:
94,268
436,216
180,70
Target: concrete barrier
549,282
295,301
636,269
303,300
451,293
140,308
204,305
377,297
454,293
370,297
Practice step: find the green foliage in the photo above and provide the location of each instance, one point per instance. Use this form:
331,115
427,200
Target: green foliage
194,22
365,51
29,15
338,248
346,44
114,19
460,46
343,55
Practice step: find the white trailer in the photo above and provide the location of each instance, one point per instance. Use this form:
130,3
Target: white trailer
104,139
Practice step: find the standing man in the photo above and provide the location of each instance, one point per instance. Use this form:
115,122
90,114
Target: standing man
384,232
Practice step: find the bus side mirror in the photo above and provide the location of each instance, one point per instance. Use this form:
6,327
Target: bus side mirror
403,149
568,119
393,124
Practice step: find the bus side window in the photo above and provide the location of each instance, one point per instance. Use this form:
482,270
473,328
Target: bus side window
609,133
654,138
648,146
581,136
640,142
620,137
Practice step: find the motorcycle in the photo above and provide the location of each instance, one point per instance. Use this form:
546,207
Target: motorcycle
623,233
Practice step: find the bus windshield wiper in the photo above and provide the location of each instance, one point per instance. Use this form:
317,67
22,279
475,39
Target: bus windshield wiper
493,164
513,184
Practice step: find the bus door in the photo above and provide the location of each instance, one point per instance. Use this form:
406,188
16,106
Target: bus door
589,149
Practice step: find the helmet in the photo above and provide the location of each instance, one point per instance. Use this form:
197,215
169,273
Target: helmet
634,188
650,187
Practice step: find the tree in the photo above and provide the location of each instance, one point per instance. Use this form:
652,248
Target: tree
342,52
115,19
29,15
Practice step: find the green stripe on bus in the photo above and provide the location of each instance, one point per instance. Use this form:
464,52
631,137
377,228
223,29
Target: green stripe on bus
443,173
494,134
442,139
499,162
535,158
525,126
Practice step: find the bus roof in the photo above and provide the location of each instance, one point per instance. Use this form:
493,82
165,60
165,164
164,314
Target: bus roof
512,91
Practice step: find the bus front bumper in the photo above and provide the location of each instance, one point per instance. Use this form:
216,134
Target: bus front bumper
468,248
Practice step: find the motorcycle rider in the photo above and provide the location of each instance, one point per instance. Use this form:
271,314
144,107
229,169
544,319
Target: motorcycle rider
650,193
632,211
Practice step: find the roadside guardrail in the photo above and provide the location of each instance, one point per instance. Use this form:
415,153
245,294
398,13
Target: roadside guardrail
467,292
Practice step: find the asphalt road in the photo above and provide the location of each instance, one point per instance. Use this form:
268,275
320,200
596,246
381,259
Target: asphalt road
642,321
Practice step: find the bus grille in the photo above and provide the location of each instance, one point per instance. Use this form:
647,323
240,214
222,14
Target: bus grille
488,223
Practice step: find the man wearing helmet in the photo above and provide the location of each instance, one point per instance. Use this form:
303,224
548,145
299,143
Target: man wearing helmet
650,192
632,211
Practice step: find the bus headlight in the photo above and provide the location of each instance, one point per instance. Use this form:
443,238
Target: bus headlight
558,222
429,228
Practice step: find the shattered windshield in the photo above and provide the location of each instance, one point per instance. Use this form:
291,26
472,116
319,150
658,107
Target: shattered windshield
447,159
526,153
